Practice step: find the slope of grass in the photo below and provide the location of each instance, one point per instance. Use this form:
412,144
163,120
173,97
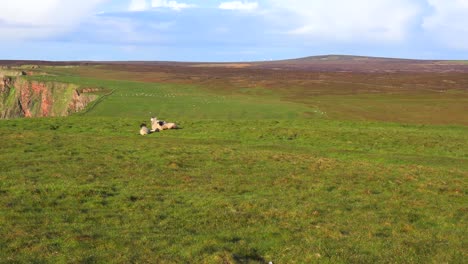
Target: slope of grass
89,189
425,107
139,99
248,179
411,97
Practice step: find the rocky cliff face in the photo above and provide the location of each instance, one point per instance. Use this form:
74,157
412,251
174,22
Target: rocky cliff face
20,97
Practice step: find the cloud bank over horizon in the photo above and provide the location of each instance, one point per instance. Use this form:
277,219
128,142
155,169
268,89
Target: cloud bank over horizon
213,30
29,19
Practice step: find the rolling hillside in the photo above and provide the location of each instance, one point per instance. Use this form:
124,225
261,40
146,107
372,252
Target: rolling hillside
271,164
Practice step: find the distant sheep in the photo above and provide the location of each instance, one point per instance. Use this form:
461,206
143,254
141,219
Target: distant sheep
144,130
169,126
161,125
156,124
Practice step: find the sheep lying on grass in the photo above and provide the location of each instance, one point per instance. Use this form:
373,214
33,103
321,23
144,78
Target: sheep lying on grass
144,130
169,126
161,125
156,126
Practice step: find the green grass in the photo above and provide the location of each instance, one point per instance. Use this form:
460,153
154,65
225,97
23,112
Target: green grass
459,61
248,179
415,98
423,107
139,99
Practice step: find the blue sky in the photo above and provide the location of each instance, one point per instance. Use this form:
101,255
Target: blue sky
225,30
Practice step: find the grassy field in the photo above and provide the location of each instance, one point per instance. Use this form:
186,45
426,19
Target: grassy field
251,177
416,97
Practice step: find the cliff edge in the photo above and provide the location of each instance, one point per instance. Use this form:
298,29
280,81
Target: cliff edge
20,97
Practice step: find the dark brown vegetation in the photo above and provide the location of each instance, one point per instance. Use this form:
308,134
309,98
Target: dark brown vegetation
342,87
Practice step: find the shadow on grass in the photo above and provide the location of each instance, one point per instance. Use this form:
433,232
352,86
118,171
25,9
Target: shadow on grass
249,257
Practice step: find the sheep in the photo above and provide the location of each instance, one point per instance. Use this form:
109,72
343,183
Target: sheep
161,125
144,130
156,124
169,126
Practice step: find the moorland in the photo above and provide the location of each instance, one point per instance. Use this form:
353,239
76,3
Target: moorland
330,159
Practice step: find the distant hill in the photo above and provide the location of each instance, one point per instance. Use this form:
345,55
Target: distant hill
344,58
346,63
325,63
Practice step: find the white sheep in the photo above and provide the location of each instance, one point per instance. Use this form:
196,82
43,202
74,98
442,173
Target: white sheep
144,130
161,125
169,126
156,124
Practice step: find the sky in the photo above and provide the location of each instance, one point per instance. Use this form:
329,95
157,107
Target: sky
224,30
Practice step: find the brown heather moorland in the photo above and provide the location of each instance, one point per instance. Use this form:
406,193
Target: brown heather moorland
342,87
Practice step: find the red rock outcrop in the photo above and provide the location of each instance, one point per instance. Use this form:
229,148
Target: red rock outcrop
31,92
23,98
79,101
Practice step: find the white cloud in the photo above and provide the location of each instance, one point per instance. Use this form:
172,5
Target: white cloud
343,20
449,22
28,19
238,5
170,4
138,5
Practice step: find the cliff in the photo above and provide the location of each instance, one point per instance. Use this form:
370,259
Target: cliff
20,97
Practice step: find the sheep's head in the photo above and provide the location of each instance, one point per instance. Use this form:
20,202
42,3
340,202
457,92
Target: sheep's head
154,119
142,125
